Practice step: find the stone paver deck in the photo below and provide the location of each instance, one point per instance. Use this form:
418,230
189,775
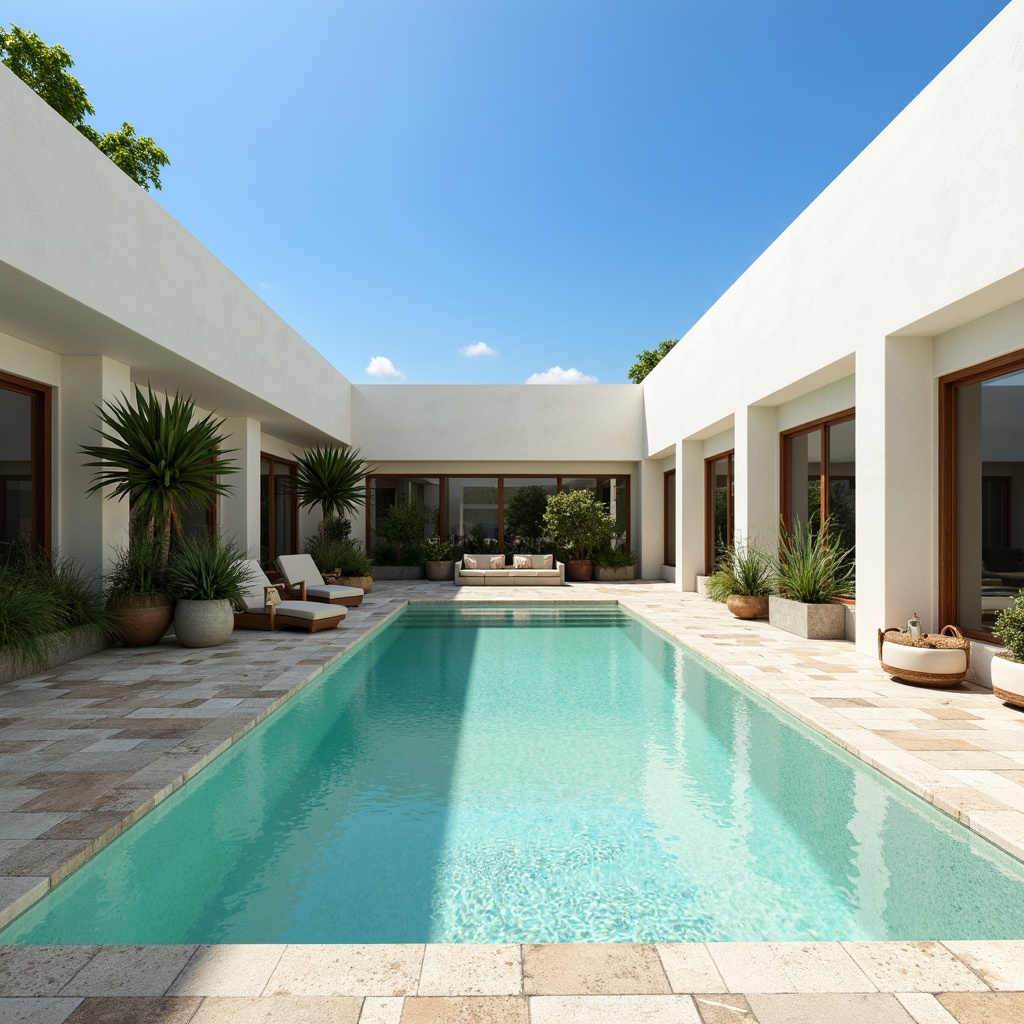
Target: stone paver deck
87,748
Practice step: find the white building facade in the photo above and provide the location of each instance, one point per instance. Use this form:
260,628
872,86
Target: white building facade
870,365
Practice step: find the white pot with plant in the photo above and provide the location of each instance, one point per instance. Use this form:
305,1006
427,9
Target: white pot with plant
205,575
1008,665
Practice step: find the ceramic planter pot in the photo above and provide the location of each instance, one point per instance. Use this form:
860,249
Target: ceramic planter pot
1008,679
579,570
440,572
743,606
811,621
203,623
364,583
141,621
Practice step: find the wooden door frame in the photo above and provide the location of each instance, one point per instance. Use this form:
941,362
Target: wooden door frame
41,454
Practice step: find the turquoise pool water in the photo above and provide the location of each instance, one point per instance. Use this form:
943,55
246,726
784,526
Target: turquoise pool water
525,774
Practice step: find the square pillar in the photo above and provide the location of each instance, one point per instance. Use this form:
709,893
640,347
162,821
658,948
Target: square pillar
756,475
90,527
690,524
652,506
239,512
897,489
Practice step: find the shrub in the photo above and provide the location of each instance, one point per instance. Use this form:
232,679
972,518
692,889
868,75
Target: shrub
578,521
439,549
207,569
1010,628
743,569
400,527
138,571
608,557
811,569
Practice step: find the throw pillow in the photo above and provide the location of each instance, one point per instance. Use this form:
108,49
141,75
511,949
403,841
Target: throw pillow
521,562
468,562
497,561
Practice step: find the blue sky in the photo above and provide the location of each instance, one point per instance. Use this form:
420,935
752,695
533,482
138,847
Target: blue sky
564,182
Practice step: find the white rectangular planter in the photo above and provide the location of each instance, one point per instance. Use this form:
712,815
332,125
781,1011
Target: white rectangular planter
811,621
1008,680
627,572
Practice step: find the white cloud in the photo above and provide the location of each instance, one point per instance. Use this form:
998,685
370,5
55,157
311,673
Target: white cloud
556,375
478,348
381,366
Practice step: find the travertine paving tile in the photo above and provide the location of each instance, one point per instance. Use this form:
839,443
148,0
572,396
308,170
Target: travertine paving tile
925,1008
317,970
135,1011
913,967
1000,964
279,1010
40,970
471,970
129,971
382,1010
847,1008
227,970
36,1011
466,1010
788,967
985,1007
689,967
646,1009
722,1008
592,969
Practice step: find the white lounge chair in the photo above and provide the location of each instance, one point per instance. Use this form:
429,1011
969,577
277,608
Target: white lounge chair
262,608
300,572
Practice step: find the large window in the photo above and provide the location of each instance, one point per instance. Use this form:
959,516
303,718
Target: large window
279,508
819,477
982,493
719,507
494,513
24,463
670,518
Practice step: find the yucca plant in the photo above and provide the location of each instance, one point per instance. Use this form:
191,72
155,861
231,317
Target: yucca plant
743,569
158,455
333,478
812,568
207,569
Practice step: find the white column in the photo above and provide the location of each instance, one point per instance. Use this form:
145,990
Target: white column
756,475
652,504
689,513
239,513
89,527
897,496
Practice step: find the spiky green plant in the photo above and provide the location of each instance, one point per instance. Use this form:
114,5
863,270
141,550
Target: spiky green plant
333,478
1009,628
744,569
811,568
207,569
138,570
158,455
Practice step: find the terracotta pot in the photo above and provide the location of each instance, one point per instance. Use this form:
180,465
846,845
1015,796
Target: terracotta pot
579,570
141,621
440,572
745,607
364,583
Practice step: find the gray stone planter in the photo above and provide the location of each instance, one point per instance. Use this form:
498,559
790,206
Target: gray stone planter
440,572
67,646
203,623
811,621
400,572
627,572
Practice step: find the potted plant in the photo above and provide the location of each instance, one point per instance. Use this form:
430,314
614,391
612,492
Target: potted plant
812,573
1008,665
399,548
136,589
333,478
578,521
743,580
335,553
439,559
205,574
614,564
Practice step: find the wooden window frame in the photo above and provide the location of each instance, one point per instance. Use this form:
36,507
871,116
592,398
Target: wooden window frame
824,424
669,537
949,571
42,455
709,504
276,460
443,478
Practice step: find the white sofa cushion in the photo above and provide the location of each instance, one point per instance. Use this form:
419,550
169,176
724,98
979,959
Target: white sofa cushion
333,592
924,659
309,610
474,572
547,573
542,561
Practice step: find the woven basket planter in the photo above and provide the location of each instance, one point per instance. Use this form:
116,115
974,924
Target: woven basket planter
1008,679
933,659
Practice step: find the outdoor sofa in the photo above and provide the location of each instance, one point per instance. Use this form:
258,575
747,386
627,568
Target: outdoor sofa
521,570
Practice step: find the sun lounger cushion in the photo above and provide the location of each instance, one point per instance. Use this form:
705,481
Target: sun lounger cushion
309,611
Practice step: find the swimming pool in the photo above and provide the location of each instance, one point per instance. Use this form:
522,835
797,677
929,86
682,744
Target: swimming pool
533,774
